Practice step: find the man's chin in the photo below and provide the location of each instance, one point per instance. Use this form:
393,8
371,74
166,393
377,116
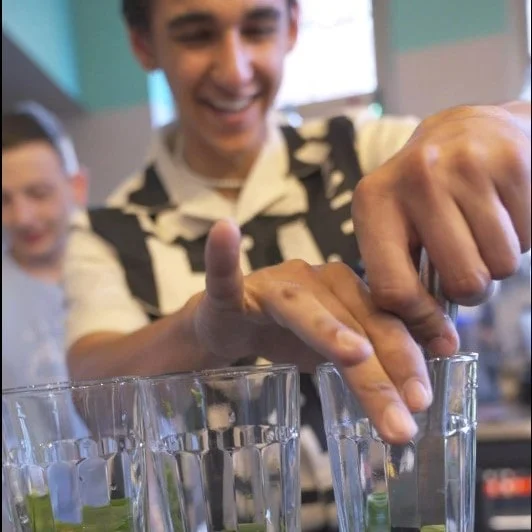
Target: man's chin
240,144
35,256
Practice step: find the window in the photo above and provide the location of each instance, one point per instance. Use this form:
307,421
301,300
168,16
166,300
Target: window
161,101
333,59
335,54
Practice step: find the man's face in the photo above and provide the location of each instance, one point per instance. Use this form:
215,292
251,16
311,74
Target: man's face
224,63
37,200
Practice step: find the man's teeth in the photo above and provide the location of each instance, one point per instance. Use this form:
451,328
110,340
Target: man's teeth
232,106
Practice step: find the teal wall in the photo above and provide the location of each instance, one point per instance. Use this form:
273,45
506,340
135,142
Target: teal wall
110,78
82,44
417,24
43,30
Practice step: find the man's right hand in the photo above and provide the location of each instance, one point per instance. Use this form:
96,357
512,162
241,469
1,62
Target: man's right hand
303,314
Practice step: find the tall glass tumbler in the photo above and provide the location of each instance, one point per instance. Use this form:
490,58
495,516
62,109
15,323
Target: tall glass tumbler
8,522
225,445
75,456
380,487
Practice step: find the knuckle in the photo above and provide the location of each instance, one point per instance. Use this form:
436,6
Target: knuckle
394,356
394,297
424,156
396,344
289,291
347,360
466,158
420,168
300,267
425,325
376,388
517,164
323,324
362,195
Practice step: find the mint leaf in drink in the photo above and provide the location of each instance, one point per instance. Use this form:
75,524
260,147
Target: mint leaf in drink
377,512
173,499
248,527
167,407
116,517
39,508
66,527
198,396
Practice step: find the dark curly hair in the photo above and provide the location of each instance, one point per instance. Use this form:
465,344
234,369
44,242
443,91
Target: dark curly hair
137,12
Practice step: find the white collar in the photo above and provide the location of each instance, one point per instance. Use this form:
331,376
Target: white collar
266,183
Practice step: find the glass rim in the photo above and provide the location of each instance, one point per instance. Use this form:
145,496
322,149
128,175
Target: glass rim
227,372
466,356
68,385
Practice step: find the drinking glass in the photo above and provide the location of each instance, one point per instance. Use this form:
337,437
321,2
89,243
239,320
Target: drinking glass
75,456
225,445
380,487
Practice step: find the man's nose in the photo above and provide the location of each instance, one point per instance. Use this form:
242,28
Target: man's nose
233,68
21,211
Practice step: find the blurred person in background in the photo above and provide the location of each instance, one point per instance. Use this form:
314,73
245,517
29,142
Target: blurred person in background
160,281
42,185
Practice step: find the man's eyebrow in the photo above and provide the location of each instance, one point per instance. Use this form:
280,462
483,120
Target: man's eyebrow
200,17
263,13
188,19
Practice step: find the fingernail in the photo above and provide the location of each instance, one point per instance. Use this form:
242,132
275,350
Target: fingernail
417,396
398,422
441,346
350,341
477,299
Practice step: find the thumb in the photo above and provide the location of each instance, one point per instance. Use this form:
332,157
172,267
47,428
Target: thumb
224,278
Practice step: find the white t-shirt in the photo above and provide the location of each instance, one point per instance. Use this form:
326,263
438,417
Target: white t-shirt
33,321
33,317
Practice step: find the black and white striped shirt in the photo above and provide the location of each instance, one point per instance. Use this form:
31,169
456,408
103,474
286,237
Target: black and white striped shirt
142,256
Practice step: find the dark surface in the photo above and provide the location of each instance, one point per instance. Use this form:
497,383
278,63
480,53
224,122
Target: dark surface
506,454
497,456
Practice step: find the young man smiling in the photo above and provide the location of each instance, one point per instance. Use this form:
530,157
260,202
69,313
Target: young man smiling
160,281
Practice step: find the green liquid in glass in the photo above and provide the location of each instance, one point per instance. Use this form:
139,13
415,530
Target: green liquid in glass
377,517
248,528
113,518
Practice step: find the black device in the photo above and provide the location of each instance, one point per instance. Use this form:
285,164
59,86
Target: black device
503,493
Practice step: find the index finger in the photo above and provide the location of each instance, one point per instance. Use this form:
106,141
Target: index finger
398,354
384,239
